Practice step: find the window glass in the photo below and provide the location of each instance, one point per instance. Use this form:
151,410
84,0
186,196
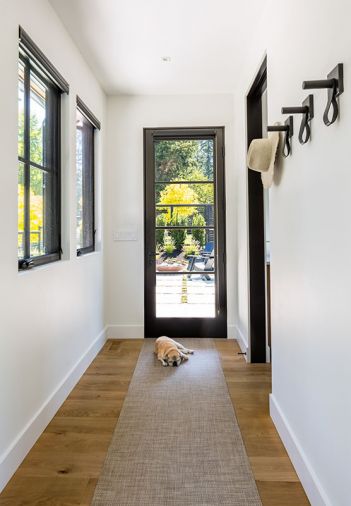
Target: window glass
37,119
84,184
37,220
21,210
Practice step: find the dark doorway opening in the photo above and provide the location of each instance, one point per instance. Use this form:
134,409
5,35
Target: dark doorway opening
258,227
184,229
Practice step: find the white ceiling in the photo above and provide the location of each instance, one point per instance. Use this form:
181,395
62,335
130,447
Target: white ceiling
123,42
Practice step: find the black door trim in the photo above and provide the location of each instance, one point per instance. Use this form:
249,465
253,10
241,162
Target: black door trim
195,327
257,282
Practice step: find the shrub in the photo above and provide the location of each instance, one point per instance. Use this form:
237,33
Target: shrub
199,235
169,245
161,221
191,246
178,235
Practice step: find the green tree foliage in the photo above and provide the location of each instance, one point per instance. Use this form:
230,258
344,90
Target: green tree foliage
36,150
205,157
175,160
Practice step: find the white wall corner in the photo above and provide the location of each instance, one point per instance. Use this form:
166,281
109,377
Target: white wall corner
303,468
125,331
17,451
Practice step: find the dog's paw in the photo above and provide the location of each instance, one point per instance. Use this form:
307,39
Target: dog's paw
191,352
165,364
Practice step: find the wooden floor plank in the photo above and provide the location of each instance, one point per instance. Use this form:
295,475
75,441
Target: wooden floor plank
64,465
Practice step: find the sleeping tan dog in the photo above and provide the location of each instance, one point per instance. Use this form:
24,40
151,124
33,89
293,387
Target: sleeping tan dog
170,352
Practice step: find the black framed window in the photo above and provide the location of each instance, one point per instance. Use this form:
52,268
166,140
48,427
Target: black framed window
39,93
86,126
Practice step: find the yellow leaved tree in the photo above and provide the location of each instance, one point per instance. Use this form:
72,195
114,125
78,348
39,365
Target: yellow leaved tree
36,213
178,194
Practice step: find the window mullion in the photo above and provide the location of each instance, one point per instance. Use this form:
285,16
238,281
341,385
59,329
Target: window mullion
27,161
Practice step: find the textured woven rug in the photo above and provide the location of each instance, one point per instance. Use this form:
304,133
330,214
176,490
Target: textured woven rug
177,441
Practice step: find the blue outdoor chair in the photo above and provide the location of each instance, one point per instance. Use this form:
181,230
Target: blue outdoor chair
208,249
203,263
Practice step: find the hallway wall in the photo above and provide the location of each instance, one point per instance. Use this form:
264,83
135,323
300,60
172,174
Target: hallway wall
51,317
310,209
123,198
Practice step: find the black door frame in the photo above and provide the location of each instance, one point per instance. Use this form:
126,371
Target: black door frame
193,327
257,276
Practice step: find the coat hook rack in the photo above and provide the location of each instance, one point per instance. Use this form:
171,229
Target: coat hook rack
288,129
335,86
307,111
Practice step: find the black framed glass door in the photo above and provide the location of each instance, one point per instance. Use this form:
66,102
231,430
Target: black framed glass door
184,205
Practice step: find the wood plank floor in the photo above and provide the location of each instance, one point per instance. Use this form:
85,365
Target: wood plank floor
249,386
64,465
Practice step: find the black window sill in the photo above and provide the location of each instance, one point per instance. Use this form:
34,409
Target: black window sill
84,251
27,264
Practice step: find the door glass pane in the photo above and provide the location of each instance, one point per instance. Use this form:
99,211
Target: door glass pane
185,247
185,250
196,215
20,200
187,193
185,296
184,160
37,221
37,119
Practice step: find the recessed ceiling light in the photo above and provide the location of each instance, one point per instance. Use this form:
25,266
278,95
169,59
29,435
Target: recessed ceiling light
166,59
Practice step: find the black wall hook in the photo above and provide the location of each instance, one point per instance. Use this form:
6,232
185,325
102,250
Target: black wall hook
288,128
307,111
335,86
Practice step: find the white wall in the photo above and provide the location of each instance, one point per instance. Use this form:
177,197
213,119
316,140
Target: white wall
310,209
51,316
127,116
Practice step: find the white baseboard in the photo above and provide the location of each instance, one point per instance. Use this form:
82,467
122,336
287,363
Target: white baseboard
14,455
242,342
135,331
126,331
303,468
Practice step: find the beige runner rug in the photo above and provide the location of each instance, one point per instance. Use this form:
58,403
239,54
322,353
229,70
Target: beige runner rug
177,441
